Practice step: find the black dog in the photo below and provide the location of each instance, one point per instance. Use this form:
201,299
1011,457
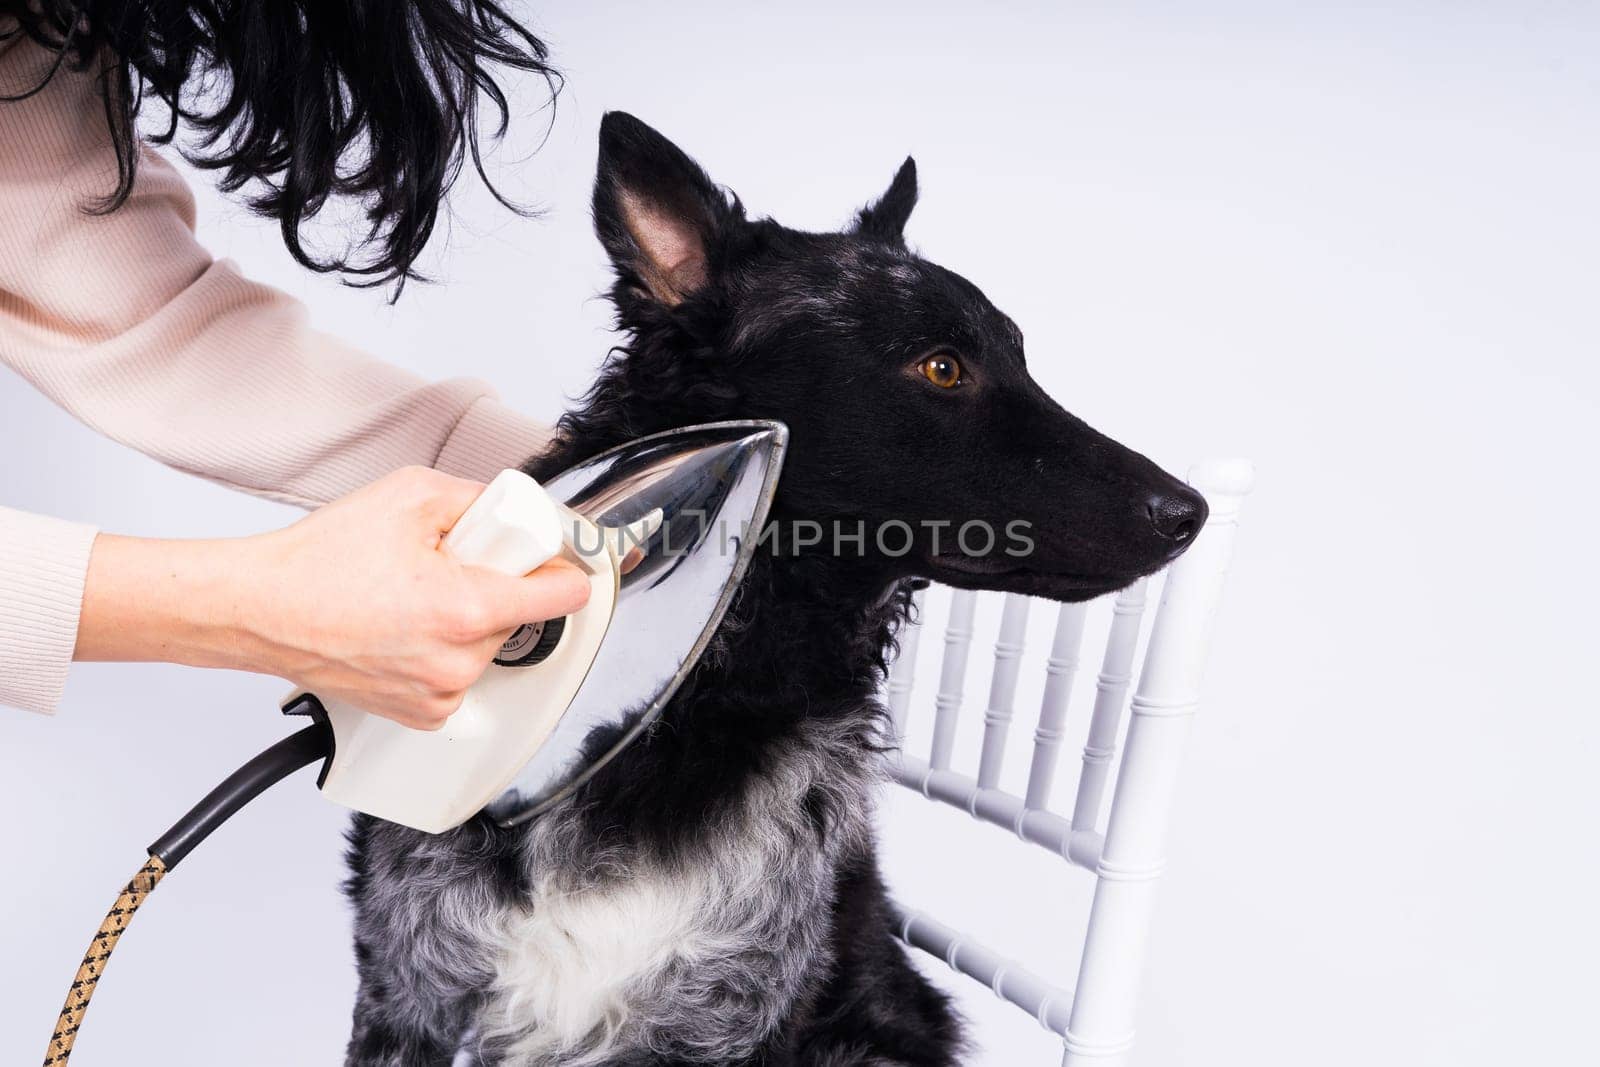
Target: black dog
712,896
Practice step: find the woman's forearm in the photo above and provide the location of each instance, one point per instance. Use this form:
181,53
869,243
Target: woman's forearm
183,602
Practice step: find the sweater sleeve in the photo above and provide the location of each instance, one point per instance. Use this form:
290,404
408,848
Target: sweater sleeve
42,566
126,322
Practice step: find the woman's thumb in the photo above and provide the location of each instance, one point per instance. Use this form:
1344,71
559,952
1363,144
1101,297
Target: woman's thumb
555,589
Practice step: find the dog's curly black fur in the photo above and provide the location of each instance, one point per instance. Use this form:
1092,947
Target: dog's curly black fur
737,833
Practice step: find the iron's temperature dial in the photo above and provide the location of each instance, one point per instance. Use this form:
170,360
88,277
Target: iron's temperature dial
531,643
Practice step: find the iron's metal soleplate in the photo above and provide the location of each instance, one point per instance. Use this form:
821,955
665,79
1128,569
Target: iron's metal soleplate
714,485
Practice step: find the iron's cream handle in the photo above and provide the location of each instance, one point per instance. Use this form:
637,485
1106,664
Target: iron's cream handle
514,527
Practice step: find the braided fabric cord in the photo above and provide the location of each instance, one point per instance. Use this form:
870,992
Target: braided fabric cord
94,960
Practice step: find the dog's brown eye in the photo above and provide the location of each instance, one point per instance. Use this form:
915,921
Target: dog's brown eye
942,370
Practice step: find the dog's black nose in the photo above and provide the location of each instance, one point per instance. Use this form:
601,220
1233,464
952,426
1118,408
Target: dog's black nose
1177,515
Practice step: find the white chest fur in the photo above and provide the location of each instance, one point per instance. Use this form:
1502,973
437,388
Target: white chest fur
573,962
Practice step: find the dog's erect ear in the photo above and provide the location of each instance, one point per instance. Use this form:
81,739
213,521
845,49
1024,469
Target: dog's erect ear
885,219
657,213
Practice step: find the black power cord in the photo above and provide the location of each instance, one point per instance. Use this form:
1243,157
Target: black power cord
266,770
272,766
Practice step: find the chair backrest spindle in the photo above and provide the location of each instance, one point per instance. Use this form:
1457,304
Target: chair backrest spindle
1002,688
1060,672
1111,693
952,676
903,672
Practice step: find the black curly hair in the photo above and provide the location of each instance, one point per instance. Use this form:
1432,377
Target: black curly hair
372,101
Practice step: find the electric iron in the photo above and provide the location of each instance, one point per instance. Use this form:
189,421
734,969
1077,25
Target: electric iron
664,527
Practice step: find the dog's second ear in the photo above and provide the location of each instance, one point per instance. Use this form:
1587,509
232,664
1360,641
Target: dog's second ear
657,213
885,219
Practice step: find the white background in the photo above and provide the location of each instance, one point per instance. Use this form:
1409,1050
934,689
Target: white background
1356,244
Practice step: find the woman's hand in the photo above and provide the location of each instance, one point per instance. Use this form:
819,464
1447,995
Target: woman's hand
356,602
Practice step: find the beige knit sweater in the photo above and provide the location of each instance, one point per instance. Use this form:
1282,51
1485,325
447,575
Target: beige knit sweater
126,322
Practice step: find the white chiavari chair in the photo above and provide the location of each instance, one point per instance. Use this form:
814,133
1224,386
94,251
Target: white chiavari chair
1094,1016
